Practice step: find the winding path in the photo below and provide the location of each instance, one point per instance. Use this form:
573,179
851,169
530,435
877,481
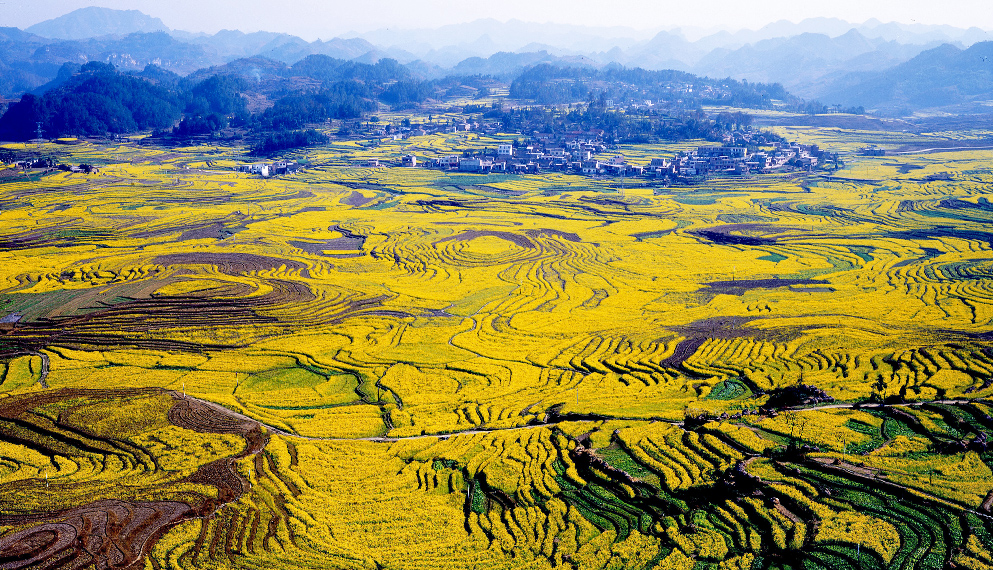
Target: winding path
385,439
941,149
43,377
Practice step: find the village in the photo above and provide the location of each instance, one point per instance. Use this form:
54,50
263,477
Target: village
588,156
586,153
581,157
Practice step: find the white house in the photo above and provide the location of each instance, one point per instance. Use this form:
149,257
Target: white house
505,151
591,167
450,161
260,168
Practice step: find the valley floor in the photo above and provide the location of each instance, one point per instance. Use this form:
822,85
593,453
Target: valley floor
407,368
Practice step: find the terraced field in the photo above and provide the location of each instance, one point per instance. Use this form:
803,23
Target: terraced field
402,368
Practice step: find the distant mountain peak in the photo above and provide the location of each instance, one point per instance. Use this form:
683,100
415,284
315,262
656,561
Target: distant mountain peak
942,77
94,22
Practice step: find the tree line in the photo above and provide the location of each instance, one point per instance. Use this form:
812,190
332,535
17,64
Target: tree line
642,126
550,84
96,99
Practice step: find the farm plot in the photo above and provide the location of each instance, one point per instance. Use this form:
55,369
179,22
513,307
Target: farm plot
405,368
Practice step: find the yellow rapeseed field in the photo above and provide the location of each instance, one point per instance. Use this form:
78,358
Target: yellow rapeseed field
413,368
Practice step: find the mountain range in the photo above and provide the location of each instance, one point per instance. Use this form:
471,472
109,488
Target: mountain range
890,67
942,77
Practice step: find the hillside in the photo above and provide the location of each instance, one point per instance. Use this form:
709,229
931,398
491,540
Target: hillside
945,76
256,94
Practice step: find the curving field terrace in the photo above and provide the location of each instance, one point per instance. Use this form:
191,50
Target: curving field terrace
401,368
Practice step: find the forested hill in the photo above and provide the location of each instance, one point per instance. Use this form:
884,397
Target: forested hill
264,95
96,99
270,77
547,83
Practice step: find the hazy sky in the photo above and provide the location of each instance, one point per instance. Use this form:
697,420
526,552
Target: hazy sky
325,18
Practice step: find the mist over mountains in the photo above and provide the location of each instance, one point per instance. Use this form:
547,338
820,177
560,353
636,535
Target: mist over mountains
888,67
93,22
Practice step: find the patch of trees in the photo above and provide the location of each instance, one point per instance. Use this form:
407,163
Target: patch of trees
660,124
199,124
733,121
97,101
793,396
405,94
464,85
212,105
818,108
219,94
283,140
387,80
547,84
550,84
161,77
342,100
329,70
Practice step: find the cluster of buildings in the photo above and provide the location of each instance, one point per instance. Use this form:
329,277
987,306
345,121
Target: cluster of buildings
527,159
730,159
577,156
431,128
581,153
34,163
50,165
267,169
677,93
